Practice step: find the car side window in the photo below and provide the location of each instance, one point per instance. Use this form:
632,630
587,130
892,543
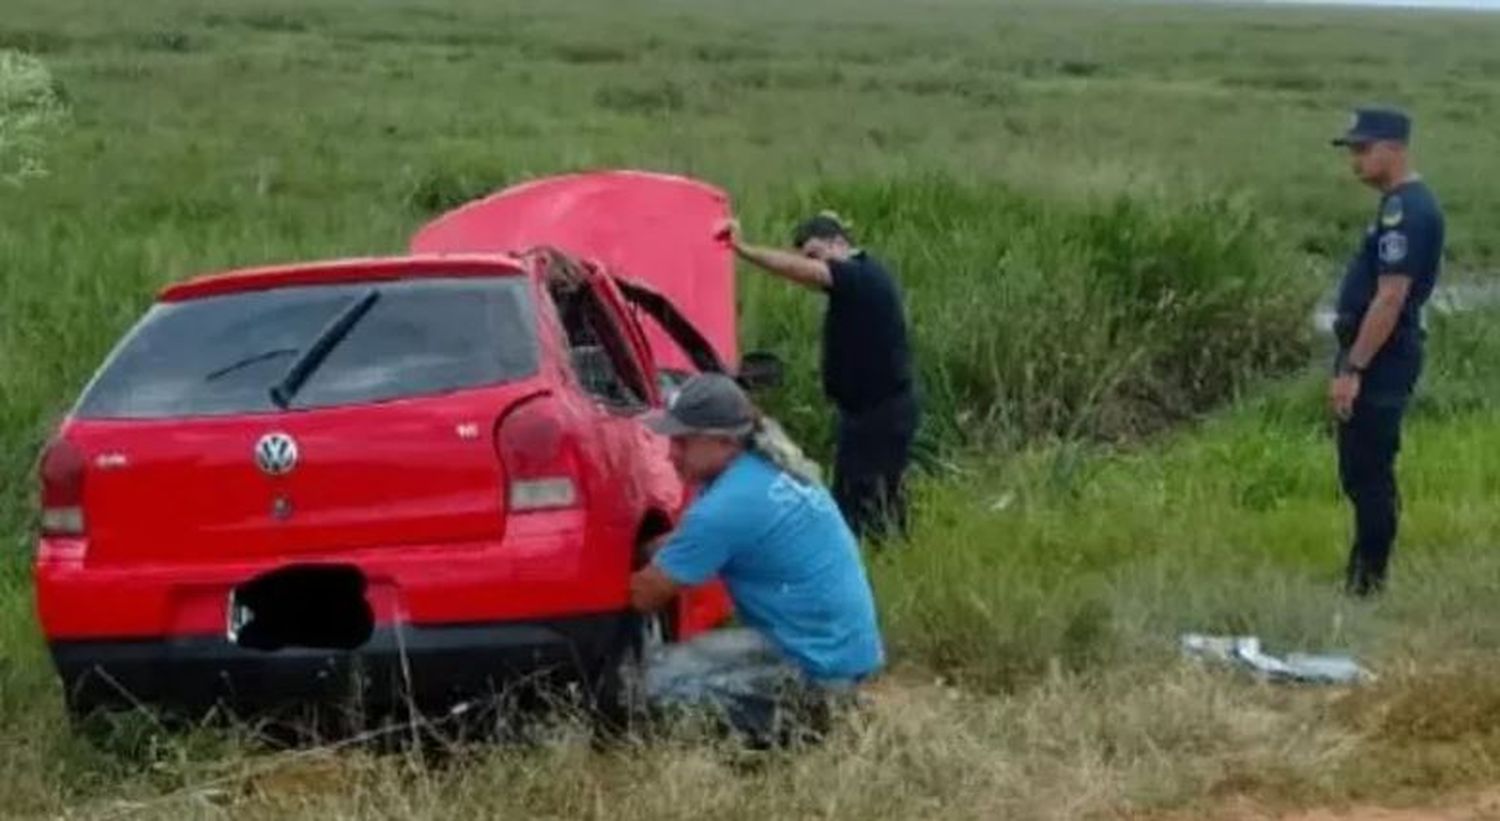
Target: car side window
597,350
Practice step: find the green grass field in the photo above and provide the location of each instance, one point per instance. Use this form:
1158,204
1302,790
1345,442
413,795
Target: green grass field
1112,220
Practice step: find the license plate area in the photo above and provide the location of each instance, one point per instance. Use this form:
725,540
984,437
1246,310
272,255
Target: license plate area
322,607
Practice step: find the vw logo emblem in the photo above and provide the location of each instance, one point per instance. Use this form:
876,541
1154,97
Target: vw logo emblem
276,454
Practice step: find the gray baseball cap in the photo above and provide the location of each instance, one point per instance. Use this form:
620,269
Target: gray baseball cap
709,403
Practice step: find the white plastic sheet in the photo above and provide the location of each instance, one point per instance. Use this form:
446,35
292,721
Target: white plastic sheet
1245,653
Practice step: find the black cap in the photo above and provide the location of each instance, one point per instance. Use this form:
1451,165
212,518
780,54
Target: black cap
825,225
1374,124
709,403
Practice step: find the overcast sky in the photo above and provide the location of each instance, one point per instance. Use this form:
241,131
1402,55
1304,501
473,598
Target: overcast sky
1493,5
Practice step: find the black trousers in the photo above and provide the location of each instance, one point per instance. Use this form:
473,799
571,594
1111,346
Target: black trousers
873,453
1367,445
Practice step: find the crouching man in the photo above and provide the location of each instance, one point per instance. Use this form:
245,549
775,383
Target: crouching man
790,563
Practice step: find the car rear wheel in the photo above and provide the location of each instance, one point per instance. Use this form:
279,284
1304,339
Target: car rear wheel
620,691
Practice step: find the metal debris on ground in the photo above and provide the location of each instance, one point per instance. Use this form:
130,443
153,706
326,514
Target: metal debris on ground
1245,653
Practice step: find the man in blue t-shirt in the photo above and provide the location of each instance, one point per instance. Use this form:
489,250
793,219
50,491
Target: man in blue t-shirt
789,561
1380,333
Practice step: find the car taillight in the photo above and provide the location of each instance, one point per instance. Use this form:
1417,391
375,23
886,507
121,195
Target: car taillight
62,490
539,457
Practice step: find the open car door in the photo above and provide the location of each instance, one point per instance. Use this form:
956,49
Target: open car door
655,229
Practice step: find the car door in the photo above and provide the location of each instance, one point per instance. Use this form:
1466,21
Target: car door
637,453
705,606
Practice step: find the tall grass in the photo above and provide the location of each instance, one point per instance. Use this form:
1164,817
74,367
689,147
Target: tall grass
1092,558
1108,316
30,111
1110,220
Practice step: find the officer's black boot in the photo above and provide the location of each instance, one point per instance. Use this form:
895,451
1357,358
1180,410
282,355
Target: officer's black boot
1375,533
1361,579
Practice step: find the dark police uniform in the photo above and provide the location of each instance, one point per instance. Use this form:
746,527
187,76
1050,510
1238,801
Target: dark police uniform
867,372
1405,239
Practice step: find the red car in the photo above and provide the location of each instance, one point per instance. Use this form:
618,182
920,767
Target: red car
422,477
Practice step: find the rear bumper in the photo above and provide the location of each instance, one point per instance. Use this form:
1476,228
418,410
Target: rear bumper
548,565
432,666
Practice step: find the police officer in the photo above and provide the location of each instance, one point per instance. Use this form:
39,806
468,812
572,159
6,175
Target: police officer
1380,333
867,366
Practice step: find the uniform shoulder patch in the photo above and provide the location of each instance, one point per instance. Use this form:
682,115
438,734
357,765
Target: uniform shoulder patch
1392,247
1391,212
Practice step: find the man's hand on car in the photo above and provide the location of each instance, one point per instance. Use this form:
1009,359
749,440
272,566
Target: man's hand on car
728,231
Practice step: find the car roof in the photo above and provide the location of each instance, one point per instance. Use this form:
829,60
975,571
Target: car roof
332,272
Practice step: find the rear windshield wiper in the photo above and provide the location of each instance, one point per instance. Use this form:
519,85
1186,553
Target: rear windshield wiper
327,339
248,361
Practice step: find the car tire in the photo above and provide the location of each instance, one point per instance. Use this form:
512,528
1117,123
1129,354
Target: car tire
619,704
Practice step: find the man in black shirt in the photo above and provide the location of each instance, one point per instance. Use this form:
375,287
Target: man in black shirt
867,366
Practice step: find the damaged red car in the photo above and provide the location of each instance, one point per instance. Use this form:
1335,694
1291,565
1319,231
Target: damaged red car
415,479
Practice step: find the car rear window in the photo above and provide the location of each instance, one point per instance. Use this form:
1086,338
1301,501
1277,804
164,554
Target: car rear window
221,355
